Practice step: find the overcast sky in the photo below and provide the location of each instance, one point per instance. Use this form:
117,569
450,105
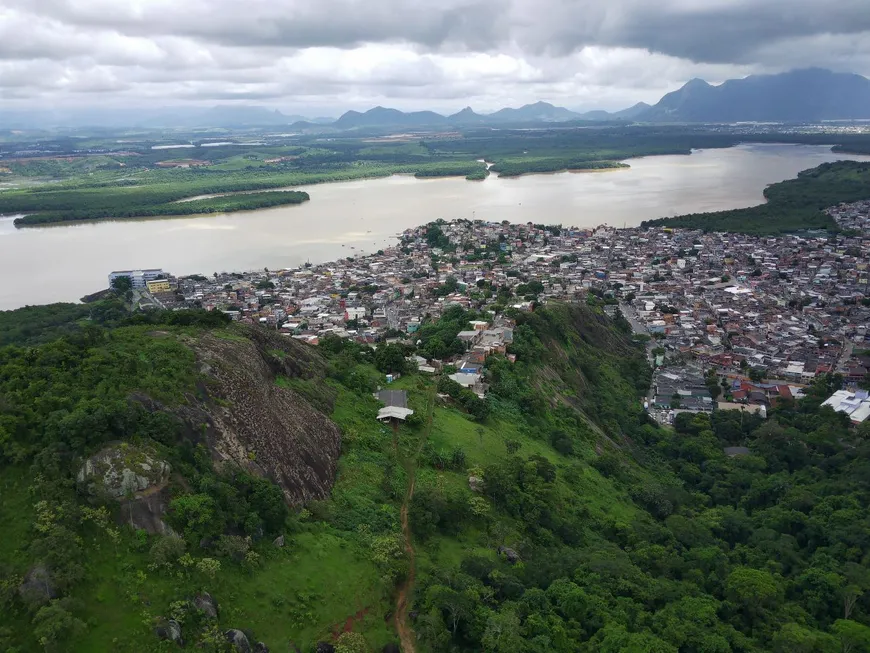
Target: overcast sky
325,56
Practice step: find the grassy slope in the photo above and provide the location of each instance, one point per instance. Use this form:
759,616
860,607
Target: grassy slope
300,593
326,575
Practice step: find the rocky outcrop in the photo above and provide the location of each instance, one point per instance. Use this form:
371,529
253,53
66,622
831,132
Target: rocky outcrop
170,631
134,475
249,421
206,605
239,640
122,470
509,554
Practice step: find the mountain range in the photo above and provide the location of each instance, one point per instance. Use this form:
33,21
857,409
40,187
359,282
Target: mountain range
806,95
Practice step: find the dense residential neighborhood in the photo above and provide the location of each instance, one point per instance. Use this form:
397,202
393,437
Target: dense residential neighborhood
731,320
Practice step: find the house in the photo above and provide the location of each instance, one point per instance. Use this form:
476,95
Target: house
855,404
395,405
158,286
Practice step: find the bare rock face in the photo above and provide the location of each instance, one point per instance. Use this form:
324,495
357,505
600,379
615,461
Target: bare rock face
252,422
206,605
239,640
170,631
136,477
122,470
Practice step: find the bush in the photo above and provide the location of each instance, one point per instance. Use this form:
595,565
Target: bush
167,550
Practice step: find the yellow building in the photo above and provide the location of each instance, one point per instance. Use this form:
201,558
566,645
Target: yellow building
158,285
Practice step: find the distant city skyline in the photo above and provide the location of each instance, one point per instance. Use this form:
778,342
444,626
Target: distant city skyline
322,58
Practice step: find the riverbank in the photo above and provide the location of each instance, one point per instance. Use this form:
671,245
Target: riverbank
356,217
222,204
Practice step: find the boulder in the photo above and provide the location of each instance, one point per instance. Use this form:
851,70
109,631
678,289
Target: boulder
136,477
278,541
170,631
509,554
206,605
475,484
122,470
239,640
38,586
325,647
260,647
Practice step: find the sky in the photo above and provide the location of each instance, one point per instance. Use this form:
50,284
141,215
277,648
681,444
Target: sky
321,57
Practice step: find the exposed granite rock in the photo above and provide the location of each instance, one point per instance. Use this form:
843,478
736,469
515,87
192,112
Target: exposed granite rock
206,605
122,470
246,419
239,640
268,430
278,542
170,631
136,477
475,484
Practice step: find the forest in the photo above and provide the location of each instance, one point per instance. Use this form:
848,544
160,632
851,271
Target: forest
552,516
134,182
792,205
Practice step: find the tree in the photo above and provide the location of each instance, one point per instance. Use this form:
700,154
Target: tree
854,637
793,638
512,446
54,626
196,515
122,284
390,359
455,606
502,634
431,629
752,589
757,374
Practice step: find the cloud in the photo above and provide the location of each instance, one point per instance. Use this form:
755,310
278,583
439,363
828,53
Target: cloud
415,54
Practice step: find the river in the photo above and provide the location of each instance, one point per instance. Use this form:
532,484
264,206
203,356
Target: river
65,262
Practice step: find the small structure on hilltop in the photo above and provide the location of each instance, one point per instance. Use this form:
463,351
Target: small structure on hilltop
395,405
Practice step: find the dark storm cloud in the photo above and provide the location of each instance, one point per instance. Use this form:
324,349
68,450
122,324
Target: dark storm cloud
716,31
584,53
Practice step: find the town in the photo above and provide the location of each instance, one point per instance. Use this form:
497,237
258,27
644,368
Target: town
729,320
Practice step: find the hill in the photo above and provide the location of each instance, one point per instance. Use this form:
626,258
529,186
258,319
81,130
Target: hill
551,516
811,94
537,112
383,117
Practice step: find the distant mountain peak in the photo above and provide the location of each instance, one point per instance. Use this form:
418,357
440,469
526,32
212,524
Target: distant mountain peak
803,95
697,82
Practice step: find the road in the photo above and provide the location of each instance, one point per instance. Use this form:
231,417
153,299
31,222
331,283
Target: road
630,314
392,316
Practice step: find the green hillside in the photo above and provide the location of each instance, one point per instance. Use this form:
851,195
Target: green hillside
791,205
615,535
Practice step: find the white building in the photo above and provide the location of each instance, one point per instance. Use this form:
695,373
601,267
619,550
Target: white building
138,277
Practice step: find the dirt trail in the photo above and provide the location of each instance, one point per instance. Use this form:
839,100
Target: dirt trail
403,596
